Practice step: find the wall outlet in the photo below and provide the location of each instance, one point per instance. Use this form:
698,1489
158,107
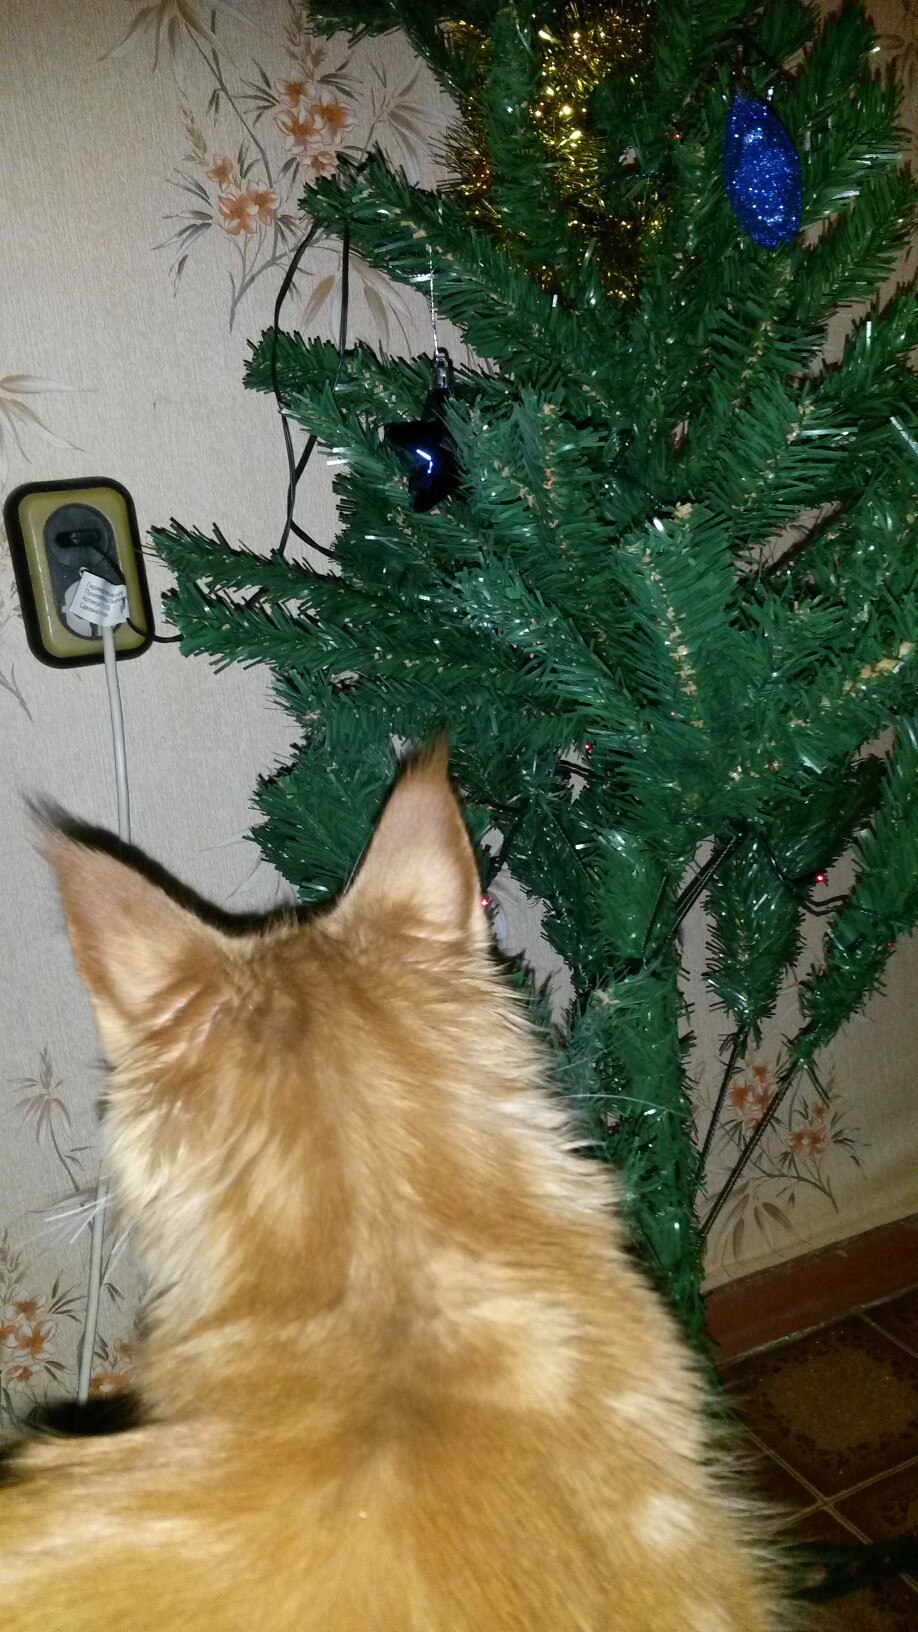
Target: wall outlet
59,530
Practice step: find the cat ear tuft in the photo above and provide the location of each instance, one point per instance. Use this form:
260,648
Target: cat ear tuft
419,867
138,952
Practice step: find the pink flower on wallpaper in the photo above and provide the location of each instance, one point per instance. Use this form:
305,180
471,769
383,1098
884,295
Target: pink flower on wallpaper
332,117
300,131
19,1318
311,132
9,1330
117,1376
750,1096
812,1138
290,127
293,92
35,1342
221,169
265,200
244,212
239,212
30,1322
27,1308
323,163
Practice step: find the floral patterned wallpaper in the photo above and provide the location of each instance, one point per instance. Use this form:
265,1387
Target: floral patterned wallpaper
807,1152
149,213
258,138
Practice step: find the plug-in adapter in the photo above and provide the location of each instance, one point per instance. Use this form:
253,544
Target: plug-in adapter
59,530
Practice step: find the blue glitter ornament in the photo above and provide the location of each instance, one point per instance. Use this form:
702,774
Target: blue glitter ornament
761,170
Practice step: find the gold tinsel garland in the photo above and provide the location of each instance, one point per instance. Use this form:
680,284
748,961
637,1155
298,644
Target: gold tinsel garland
577,51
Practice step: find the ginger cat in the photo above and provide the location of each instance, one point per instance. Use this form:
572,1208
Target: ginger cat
400,1375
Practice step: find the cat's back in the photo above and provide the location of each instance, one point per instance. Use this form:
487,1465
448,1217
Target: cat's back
512,1484
523,1452
466,1512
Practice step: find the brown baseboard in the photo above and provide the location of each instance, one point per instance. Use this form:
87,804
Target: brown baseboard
812,1290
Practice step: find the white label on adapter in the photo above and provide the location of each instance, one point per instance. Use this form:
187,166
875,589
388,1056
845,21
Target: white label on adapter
99,602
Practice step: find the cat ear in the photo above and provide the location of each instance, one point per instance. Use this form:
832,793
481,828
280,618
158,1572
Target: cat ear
140,955
419,868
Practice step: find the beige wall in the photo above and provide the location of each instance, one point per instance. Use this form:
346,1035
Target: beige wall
132,375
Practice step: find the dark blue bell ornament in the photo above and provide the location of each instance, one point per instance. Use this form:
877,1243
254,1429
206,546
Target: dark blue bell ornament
761,170
425,446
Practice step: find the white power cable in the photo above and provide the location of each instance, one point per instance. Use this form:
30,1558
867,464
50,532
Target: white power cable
93,1289
97,1234
110,658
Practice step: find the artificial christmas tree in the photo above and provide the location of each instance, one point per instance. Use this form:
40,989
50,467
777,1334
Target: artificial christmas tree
670,598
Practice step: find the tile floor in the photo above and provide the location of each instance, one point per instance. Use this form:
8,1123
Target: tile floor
834,1419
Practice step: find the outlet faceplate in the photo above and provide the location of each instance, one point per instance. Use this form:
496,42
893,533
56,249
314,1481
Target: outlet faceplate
57,531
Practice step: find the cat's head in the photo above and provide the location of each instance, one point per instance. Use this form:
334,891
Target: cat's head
268,1083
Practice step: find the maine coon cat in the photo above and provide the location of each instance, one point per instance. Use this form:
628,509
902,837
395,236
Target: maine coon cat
400,1375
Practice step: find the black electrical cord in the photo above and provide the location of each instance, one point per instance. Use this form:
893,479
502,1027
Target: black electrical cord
295,467
161,640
